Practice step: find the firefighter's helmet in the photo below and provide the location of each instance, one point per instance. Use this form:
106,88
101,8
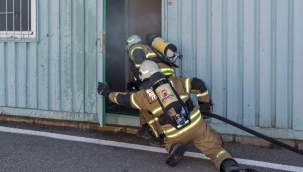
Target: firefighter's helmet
131,41
147,68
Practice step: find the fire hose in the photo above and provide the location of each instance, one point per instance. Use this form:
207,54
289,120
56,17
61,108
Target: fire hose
253,132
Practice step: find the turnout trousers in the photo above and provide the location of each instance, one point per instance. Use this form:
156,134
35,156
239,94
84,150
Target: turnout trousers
147,118
204,138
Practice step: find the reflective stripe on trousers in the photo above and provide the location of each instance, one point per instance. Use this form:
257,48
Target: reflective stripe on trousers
195,119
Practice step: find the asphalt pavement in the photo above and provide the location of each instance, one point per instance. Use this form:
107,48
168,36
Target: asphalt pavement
56,149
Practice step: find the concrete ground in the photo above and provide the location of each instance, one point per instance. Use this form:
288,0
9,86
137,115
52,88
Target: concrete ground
24,152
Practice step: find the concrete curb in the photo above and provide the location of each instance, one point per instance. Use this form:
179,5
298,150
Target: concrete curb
72,124
227,138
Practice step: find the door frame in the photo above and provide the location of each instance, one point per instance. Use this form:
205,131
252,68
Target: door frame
111,118
101,58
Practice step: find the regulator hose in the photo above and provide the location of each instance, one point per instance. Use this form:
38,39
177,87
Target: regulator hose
253,132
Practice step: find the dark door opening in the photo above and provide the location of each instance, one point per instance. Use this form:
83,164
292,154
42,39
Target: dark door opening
123,19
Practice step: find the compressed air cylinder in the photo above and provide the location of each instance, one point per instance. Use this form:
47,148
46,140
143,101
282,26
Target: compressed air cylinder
161,45
169,100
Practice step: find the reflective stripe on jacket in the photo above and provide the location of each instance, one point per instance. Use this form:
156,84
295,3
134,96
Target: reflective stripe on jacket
141,100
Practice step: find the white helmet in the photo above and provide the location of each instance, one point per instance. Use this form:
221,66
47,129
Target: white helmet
131,41
147,68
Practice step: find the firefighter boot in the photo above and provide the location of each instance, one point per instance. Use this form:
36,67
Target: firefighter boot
145,132
229,165
157,142
176,154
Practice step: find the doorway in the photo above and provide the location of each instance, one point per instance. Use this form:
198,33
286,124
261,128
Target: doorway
123,19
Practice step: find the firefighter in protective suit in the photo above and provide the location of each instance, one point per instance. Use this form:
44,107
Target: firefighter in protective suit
137,53
158,97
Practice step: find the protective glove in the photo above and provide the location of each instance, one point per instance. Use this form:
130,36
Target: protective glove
132,86
205,107
103,90
136,77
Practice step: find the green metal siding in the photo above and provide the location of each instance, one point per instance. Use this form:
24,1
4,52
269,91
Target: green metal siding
250,55
55,76
248,52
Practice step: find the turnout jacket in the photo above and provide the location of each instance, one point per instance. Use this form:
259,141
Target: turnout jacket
146,99
137,54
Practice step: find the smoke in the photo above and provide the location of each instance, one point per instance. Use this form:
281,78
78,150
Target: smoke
143,17
123,19
115,45
115,26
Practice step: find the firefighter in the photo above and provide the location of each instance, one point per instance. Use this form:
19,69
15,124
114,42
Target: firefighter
138,51
181,122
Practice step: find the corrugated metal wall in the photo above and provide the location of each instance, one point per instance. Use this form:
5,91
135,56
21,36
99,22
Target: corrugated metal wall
250,54
55,76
